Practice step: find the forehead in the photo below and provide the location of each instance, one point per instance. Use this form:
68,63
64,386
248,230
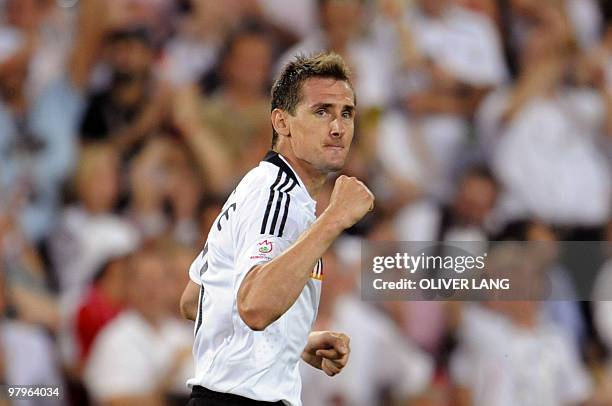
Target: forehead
327,90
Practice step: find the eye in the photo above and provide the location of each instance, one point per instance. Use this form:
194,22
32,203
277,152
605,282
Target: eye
320,112
347,114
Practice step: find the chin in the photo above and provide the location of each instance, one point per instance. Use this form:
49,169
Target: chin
334,166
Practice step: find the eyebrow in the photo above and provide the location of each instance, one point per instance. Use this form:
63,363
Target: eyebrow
317,106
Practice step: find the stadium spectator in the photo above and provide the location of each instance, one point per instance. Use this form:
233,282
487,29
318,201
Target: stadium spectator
467,218
26,277
509,353
136,357
545,175
440,84
561,307
101,304
132,106
236,110
27,355
343,30
88,231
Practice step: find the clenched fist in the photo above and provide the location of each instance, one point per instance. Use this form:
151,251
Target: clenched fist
328,351
350,201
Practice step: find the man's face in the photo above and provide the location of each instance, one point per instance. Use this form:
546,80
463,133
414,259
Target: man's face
321,131
147,282
131,57
475,199
254,52
341,19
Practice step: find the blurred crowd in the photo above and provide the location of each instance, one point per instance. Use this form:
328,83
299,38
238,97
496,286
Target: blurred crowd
124,125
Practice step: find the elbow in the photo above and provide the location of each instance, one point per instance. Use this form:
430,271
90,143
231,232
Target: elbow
184,312
187,308
256,318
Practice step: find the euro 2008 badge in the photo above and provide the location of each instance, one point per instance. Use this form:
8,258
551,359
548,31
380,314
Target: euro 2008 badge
265,247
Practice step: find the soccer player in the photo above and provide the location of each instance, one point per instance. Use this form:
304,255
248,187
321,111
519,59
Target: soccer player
255,287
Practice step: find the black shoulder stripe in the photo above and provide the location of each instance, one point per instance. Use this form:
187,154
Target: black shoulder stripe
269,205
204,267
285,213
286,210
279,201
291,188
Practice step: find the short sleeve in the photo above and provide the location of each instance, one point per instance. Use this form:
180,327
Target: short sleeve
197,267
259,251
117,368
269,225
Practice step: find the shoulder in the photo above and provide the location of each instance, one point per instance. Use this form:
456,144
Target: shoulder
270,202
264,182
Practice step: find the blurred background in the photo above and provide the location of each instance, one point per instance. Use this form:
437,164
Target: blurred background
124,125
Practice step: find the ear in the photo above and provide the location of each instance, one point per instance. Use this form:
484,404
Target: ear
280,122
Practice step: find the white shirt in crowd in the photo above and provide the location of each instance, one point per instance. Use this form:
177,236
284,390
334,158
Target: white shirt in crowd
265,214
462,42
81,244
505,365
548,161
130,357
371,63
297,16
424,150
30,359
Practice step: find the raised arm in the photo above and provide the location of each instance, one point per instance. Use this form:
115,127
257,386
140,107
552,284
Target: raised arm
91,29
209,154
269,290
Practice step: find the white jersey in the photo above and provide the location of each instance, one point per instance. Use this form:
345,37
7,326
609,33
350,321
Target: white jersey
265,214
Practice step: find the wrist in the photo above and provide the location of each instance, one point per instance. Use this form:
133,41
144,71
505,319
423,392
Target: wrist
331,224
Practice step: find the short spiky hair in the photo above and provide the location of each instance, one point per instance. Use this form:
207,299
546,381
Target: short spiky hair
287,89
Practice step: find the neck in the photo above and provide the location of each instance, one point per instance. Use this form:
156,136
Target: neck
112,290
313,179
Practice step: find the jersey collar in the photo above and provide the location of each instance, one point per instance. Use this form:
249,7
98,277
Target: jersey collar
275,158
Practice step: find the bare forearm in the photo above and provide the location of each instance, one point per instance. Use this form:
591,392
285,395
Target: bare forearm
411,56
271,289
211,158
91,29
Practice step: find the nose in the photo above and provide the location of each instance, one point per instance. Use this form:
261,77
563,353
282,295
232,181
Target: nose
337,128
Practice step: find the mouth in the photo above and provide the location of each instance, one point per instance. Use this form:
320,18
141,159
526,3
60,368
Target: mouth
334,147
